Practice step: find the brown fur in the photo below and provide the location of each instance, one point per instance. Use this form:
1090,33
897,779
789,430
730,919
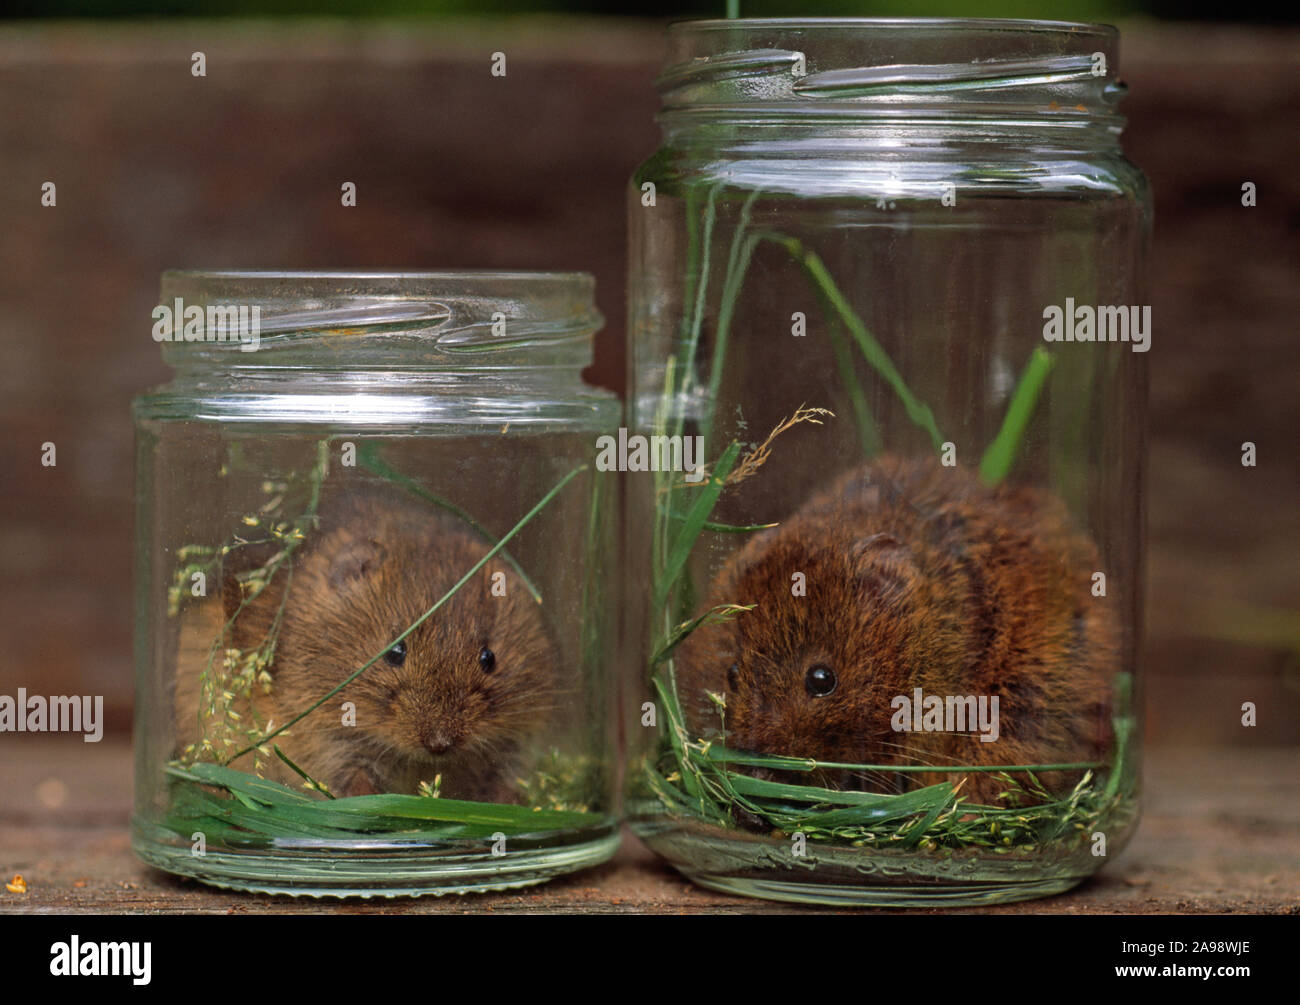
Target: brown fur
375,565
917,576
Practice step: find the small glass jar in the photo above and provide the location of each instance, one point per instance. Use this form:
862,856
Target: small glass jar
889,276
371,641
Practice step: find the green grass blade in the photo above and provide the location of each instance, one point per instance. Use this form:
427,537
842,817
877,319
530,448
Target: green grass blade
194,806
720,753
704,499
868,433
877,803
315,785
1001,454
871,350
461,811
723,612
700,272
261,789
742,250
729,528
922,827
676,730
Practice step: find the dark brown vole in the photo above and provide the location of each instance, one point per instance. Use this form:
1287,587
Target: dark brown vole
460,697
917,576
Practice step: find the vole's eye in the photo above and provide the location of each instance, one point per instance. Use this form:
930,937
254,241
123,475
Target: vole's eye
820,680
487,659
396,656
733,677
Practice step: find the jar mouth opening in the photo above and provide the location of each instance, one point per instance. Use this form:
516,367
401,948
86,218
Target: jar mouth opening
1040,72
380,316
380,278
294,292
953,23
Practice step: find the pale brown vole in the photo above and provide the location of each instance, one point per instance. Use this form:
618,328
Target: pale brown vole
461,697
917,576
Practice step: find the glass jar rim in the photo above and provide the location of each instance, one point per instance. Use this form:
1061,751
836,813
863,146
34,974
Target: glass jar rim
963,23
390,316
554,292
786,70
467,276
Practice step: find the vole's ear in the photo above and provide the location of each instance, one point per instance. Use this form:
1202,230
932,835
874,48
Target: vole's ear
876,548
356,561
250,590
882,563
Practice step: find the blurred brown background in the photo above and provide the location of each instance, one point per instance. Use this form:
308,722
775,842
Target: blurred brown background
158,169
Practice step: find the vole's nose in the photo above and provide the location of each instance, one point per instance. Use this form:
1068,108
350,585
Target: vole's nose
437,743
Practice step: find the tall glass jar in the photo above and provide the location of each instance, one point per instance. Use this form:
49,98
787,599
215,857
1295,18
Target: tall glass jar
888,275
371,640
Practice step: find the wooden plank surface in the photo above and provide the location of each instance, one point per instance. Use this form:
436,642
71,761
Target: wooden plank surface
1220,834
